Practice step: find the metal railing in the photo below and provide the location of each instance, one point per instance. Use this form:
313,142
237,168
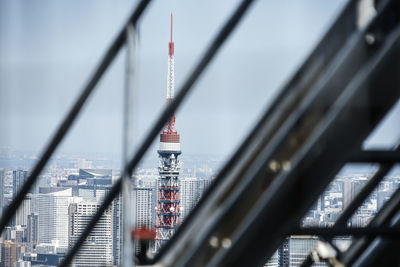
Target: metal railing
316,125
157,127
276,162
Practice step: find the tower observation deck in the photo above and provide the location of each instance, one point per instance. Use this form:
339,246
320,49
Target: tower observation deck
168,212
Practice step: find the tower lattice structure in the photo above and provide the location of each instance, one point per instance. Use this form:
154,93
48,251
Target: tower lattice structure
168,211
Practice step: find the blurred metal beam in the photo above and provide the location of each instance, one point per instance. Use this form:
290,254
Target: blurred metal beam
71,117
211,51
369,231
287,100
376,156
130,130
246,215
353,206
382,218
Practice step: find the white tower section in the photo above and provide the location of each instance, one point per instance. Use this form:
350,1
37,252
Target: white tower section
171,77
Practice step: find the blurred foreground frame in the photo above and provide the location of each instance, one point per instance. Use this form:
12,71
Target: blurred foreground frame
316,125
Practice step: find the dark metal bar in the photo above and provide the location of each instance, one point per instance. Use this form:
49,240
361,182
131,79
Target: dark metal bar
268,221
308,261
387,232
362,195
157,127
287,101
379,156
305,76
362,243
70,118
186,251
353,206
382,218
383,250
129,138
185,89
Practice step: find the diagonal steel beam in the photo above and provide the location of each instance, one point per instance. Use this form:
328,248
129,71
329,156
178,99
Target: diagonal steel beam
71,117
376,156
349,110
211,51
382,218
286,101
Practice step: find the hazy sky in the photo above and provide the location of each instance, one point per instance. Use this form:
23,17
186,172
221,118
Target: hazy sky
49,48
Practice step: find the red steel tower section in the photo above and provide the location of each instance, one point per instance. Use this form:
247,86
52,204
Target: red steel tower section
168,212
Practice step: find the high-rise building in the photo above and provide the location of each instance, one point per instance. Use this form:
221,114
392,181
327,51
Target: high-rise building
20,217
18,234
350,189
19,178
295,249
348,192
117,228
53,216
97,250
283,253
96,192
168,212
32,228
145,199
191,190
10,252
92,192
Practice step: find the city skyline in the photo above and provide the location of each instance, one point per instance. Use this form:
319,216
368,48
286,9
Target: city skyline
322,159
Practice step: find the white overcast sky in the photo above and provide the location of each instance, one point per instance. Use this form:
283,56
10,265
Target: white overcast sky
48,49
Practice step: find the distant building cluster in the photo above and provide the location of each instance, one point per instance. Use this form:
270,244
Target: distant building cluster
327,210
53,215
341,193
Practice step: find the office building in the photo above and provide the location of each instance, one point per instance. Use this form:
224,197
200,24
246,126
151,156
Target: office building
20,217
145,199
53,216
117,228
18,234
92,192
351,187
295,249
10,253
299,248
19,178
97,250
32,228
95,176
348,192
191,190
47,259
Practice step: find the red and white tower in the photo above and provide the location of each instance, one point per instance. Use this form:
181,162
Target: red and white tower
168,212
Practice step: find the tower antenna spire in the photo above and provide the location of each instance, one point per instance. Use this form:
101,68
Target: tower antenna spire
171,26
171,43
